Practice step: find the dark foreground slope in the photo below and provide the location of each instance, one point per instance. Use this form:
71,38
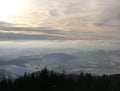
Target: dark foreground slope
50,81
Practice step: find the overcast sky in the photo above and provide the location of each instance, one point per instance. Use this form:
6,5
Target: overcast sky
61,20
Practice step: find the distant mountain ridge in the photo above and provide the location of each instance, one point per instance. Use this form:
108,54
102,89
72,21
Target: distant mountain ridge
96,62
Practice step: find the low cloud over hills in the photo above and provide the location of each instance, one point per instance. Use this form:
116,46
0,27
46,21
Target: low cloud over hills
97,62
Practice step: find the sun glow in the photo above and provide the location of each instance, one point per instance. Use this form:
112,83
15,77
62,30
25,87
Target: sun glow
10,7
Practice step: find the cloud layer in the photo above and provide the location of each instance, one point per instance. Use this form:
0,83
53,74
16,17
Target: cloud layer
64,20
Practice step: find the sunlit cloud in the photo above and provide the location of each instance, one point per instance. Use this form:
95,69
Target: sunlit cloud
77,20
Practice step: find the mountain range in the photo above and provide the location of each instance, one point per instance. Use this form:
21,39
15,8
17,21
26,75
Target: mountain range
95,62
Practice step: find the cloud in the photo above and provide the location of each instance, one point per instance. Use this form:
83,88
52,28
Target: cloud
5,24
11,36
53,12
66,20
42,33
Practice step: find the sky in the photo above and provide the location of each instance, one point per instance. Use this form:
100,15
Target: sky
62,20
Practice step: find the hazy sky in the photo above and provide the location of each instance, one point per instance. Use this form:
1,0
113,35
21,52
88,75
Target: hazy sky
59,20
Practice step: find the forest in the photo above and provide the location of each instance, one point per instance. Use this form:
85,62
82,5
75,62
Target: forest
46,80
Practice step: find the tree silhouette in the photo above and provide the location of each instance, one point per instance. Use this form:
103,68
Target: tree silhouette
50,81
